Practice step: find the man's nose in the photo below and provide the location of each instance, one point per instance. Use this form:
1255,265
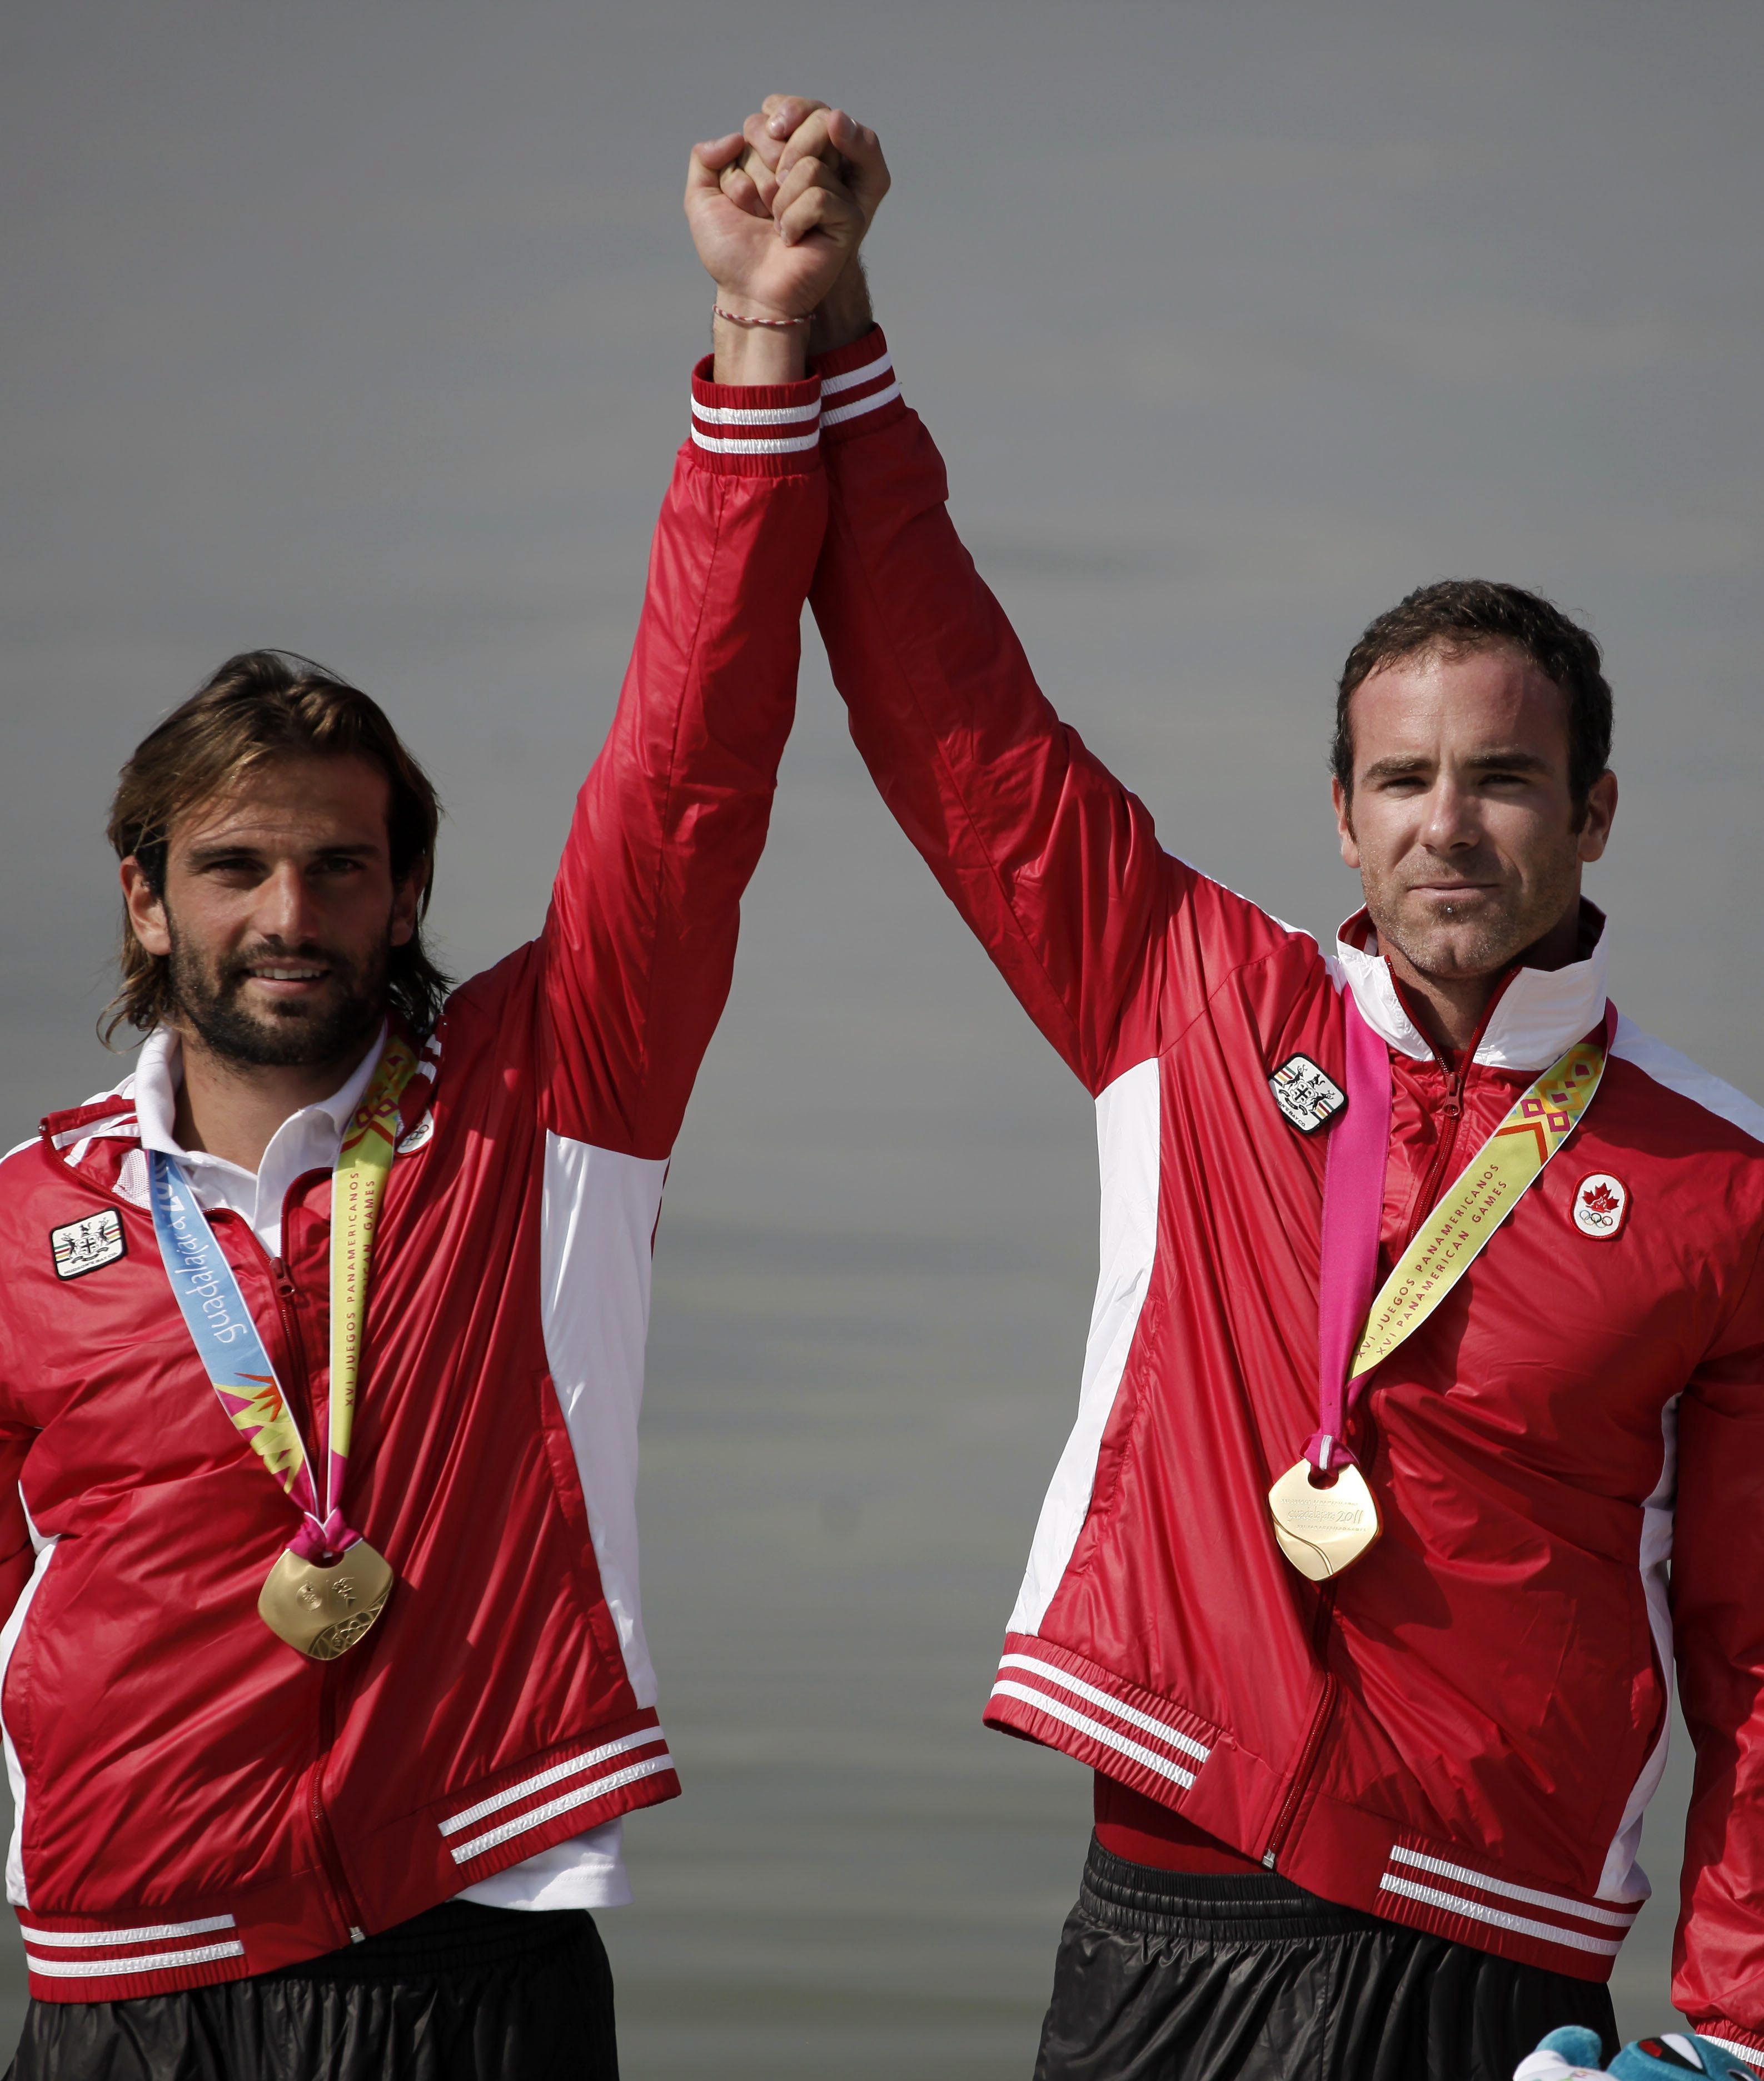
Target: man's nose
286,909
1451,821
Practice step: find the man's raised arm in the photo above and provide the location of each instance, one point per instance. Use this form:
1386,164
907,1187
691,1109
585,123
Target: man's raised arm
639,945
1055,865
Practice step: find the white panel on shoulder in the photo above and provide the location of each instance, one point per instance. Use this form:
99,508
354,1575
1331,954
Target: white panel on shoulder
1679,1074
598,1223
1127,1143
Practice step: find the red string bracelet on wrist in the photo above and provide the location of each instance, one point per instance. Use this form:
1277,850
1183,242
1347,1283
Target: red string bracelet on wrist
771,324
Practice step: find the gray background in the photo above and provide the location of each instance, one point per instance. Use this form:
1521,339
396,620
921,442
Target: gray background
365,329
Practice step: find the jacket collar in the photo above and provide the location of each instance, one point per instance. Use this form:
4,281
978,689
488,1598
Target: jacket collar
1541,1012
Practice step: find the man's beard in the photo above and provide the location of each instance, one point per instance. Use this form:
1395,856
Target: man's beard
1491,945
212,1000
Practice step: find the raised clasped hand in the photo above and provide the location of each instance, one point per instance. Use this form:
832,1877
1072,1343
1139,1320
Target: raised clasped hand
783,252
778,212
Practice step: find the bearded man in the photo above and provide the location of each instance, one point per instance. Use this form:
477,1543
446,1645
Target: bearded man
1429,1325
325,1687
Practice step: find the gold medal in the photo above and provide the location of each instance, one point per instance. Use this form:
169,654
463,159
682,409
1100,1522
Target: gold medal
323,1611
1321,1531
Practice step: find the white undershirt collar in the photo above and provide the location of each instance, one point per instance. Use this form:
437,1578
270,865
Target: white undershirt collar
306,1140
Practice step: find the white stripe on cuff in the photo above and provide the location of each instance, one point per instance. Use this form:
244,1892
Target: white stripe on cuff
1131,1714
584,1795
1096,1730
793,447
841,413
756,415
1754,2059
642,1738
832,385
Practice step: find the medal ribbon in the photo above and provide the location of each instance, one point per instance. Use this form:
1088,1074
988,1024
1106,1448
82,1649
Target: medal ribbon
239,1368
1488,1189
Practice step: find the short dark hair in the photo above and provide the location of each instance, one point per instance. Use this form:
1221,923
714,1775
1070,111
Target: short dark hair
1457,616
263,705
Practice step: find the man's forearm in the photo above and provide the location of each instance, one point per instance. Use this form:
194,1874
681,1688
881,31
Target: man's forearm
844,313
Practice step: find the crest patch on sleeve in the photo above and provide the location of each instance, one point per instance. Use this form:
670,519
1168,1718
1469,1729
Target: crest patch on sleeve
1309,1097
82,1246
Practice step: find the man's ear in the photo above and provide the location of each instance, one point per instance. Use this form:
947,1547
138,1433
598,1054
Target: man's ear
407,902
1594,832
146,908
1344,823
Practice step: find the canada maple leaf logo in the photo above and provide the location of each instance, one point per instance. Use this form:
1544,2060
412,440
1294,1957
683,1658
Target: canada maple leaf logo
1601,1199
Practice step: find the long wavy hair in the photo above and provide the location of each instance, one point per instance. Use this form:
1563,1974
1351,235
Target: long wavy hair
260,706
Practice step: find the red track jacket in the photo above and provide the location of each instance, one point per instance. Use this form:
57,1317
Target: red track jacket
196,1800
1462,1732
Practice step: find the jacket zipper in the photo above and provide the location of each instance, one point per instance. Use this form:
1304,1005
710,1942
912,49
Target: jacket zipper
294,1343
322,1826
1451,1107
1301,1774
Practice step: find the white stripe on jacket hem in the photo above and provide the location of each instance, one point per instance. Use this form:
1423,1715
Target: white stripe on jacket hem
151,1962
1480,1911
1462,1875
99,1940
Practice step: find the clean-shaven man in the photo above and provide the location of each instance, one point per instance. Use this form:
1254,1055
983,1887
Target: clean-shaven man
324,1685
1430,1327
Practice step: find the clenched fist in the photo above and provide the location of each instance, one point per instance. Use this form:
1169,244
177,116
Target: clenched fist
778,255
785,130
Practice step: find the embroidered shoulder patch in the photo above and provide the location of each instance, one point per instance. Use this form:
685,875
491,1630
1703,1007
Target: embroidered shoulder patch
1308,1096
1601,1205
82,1246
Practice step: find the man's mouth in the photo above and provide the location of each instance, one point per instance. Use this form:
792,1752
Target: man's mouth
285,979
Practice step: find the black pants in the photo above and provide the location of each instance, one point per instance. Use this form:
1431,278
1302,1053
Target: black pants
1173,1976
463,1993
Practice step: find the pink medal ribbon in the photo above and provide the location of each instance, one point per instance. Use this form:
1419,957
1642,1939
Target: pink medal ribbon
1353,1210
